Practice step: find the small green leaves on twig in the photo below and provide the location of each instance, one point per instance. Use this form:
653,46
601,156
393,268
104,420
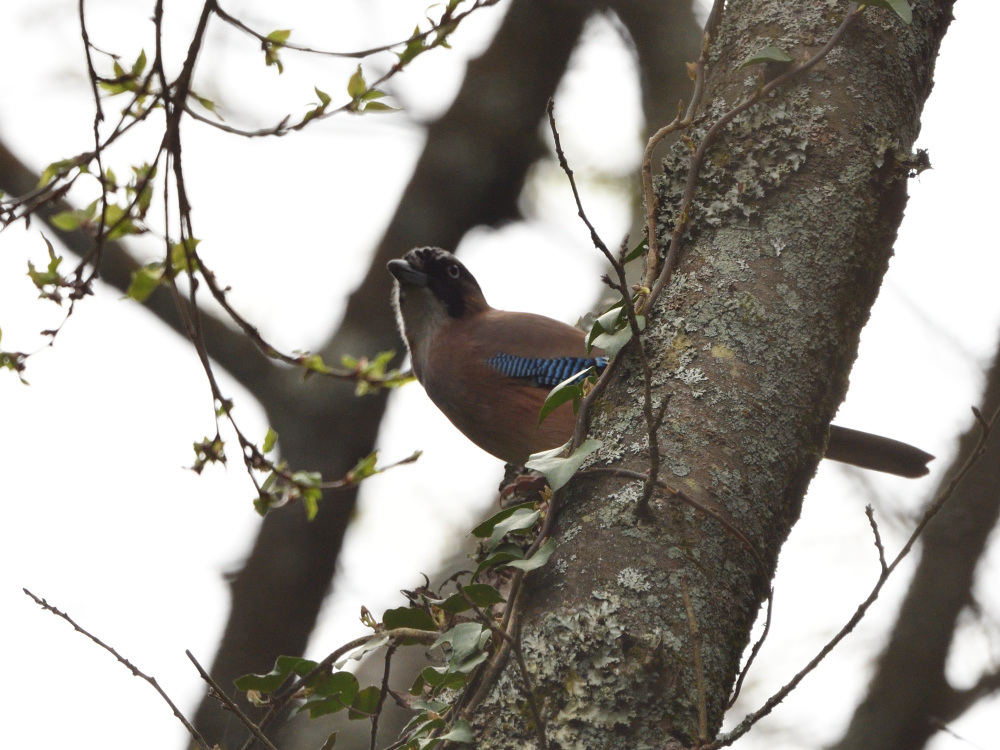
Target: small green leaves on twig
372,375
60,168
49,281
117,220
416,44
319,109
362,97
271,44
125,80
182,260
283,486
208,451
144,281
208,104
13,361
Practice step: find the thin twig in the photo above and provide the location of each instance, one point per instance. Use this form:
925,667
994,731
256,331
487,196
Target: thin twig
870,512
382,693
652,421
230,704
446,20
755,650
281,698
195,734
751,719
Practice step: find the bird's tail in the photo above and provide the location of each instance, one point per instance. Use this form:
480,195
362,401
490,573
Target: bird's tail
876,452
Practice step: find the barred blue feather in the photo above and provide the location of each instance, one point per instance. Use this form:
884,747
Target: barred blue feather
545,373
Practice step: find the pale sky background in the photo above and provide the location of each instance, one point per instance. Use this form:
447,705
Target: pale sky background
105,522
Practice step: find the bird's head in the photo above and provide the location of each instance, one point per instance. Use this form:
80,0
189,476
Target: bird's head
432,289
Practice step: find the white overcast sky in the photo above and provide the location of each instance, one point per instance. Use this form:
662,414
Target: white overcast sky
104,521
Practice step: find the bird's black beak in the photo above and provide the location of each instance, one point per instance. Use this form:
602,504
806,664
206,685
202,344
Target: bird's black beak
406,274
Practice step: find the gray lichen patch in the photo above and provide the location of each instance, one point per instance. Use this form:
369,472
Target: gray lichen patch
755,155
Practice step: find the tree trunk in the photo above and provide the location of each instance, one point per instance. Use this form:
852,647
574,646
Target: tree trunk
791,232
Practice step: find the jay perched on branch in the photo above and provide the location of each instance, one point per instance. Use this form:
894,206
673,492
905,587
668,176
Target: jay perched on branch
491,370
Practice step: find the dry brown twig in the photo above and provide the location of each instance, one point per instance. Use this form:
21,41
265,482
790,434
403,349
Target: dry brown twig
195,735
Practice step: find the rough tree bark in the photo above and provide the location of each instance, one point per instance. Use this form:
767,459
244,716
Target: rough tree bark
796,213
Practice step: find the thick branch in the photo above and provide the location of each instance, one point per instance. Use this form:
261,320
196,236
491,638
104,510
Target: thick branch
789,234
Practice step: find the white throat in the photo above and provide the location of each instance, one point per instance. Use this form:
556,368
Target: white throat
420,316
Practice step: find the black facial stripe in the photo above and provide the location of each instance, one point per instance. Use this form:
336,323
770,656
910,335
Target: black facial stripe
439,267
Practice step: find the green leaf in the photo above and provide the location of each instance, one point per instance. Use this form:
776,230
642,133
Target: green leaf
207,104
373,644
467,641
379,107
638,250
145,281
414,46
568,390
537,560
900,7
330,694
485,529
500,556
769,54
324,98
461,731
279,37
557,469
521,520
284,666
56,169
613,340
182,256
438,680
607,322
13,361
66,220
480,594
356,86
343,683
140,64
408,617
365,703
313,363
50,276
269,440
363,469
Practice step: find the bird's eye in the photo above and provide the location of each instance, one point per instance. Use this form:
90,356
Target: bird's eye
453,271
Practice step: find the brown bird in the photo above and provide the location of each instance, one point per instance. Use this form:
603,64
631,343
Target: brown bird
490,370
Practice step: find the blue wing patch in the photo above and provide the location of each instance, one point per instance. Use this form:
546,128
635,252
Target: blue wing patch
542,372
